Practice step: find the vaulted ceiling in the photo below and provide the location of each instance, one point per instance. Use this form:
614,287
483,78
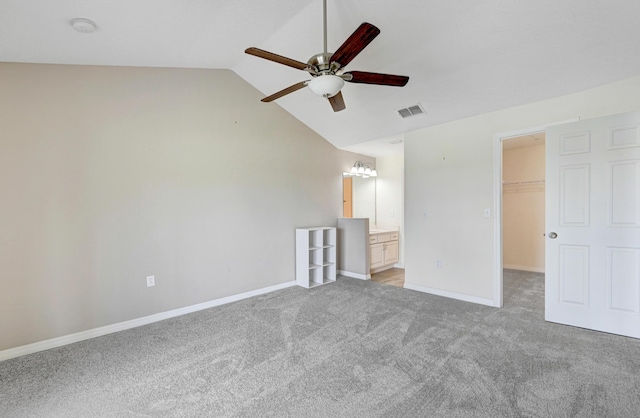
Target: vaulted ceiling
463,57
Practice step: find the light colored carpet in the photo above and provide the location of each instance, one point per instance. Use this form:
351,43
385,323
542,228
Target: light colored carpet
348,349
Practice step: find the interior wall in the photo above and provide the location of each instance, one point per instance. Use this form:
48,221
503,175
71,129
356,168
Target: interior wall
523,210
390,196
112,174
449,182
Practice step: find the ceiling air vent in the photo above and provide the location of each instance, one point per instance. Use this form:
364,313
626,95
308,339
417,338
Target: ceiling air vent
407,112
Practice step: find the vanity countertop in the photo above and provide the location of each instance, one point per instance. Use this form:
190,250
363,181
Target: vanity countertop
376,231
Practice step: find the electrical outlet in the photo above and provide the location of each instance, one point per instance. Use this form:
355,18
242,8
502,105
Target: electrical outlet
439,263
151,281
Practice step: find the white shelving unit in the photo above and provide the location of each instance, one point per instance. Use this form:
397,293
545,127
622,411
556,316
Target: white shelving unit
315,256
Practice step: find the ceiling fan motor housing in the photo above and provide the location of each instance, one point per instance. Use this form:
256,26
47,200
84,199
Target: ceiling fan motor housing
322,63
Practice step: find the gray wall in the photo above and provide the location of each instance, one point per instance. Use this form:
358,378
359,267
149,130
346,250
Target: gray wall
353,246
111,174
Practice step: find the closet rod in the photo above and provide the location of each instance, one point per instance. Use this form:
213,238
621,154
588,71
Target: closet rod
511,183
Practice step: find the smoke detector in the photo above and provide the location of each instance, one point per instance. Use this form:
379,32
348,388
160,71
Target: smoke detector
83,25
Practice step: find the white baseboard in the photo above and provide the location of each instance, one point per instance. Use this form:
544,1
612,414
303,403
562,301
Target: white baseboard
524,268
355,275
452,295
121,326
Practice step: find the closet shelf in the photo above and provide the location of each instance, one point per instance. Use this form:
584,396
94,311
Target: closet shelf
523,186
518,183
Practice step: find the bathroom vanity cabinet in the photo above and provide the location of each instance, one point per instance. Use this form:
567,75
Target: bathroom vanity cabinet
383,248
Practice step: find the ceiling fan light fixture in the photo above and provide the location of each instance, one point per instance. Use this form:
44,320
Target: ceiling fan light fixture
326,86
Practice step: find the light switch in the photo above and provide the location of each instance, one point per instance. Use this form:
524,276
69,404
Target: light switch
487,212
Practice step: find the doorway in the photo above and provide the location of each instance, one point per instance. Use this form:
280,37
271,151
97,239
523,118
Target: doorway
511,140
523,204
499,139
523,212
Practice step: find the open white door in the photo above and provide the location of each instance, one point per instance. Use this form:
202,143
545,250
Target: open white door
592,250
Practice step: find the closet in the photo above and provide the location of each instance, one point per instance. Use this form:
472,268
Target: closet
523,202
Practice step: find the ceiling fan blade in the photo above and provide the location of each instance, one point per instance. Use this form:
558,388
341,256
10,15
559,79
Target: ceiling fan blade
337,102
358,40
284,92
375,78
276,58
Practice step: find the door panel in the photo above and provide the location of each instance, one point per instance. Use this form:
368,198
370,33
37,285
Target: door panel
592,265
391,252
624,137
574,274
347,197
575,143
574,195
376,255
623,277
624,196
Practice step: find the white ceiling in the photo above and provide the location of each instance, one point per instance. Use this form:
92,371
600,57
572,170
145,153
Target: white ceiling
464,57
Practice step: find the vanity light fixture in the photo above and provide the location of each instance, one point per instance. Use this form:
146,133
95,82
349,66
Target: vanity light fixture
363,170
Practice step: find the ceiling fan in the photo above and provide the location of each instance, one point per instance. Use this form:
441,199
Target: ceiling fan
326,69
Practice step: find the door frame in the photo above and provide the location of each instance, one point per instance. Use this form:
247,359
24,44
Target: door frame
497,204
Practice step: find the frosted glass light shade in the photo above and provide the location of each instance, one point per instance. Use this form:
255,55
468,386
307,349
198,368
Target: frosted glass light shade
326,85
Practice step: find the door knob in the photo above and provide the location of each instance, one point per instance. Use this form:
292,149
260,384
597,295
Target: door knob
553,235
